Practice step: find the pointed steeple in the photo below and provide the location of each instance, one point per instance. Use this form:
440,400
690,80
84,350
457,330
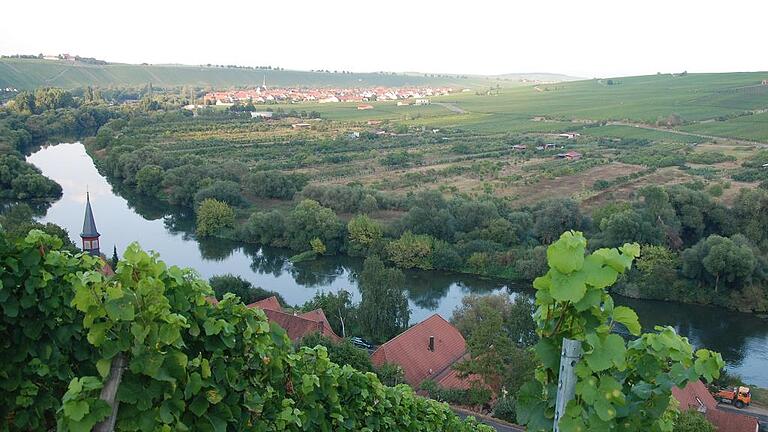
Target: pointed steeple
89,235
264,82
89,224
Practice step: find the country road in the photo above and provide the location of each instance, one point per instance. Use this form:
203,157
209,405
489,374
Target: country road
709,137
451,107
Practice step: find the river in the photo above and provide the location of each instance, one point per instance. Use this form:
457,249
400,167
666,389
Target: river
741,338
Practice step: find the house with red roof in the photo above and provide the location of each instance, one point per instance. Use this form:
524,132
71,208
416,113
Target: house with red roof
696,396
428,350
296,325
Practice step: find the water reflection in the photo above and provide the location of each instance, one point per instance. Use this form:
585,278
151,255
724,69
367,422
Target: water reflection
123,217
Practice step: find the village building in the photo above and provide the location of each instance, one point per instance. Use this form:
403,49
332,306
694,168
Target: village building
569,135
297,326
261,114
696,396
427,351
301,125
519,147
571,155
365,107
421,102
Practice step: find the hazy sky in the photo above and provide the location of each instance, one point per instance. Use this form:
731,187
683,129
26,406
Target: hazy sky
585,38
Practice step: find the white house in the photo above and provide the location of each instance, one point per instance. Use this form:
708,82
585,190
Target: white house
261,114
422,102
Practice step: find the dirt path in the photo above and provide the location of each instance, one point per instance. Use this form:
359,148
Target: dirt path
679,132
451,107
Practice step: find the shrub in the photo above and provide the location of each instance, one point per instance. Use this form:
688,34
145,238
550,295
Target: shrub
213,216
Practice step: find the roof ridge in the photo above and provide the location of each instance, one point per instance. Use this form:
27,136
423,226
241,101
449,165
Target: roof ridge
409,329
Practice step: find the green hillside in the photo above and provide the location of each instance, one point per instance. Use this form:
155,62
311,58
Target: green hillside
32,73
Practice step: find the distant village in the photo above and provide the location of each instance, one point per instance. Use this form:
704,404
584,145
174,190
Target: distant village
264,95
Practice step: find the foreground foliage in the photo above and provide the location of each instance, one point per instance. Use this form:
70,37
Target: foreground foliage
624,386
190,365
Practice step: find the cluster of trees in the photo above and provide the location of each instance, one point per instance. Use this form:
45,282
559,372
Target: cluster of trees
34,118
383,311
697,249
22,181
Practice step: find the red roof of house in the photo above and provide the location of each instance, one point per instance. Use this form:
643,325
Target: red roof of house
270,303
410,350
695,396
297,326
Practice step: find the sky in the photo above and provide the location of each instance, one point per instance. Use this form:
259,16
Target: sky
584,38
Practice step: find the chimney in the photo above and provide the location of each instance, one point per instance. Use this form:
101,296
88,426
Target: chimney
432,343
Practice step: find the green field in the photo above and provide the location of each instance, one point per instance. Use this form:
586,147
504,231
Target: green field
570,106
751,127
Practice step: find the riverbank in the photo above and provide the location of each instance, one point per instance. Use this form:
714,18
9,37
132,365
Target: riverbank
741,338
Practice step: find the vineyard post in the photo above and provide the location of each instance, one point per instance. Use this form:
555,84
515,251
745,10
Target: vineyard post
566,380
109,393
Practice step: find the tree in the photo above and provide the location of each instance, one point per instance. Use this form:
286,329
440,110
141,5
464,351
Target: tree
719,258
629,226
213,216
498,331
693,421
342,353
338,308
555,216
274,184
384,310
244,290
317,246
657,268
115,260
391,374
222,190
751,211
310,220
149,179
411,251
364,234
267,228
618,384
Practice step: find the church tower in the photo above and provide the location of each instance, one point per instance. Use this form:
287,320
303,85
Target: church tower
89,235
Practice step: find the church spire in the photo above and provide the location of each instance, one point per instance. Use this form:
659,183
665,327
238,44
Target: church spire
89,235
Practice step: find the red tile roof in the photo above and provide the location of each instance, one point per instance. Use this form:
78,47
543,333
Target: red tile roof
297,326
410,350
695,396
270,303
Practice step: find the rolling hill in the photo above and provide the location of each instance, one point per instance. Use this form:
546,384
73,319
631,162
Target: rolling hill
32,73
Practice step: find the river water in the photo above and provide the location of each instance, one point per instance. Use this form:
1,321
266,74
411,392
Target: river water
741,338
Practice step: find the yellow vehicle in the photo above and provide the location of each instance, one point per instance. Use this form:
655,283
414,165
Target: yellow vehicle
738,396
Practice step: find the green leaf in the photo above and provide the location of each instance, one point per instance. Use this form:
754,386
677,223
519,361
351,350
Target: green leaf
606,352
199,406
76,409
168,333
97,334
568,287
598,274
120,309
567,253
628,317
103,366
